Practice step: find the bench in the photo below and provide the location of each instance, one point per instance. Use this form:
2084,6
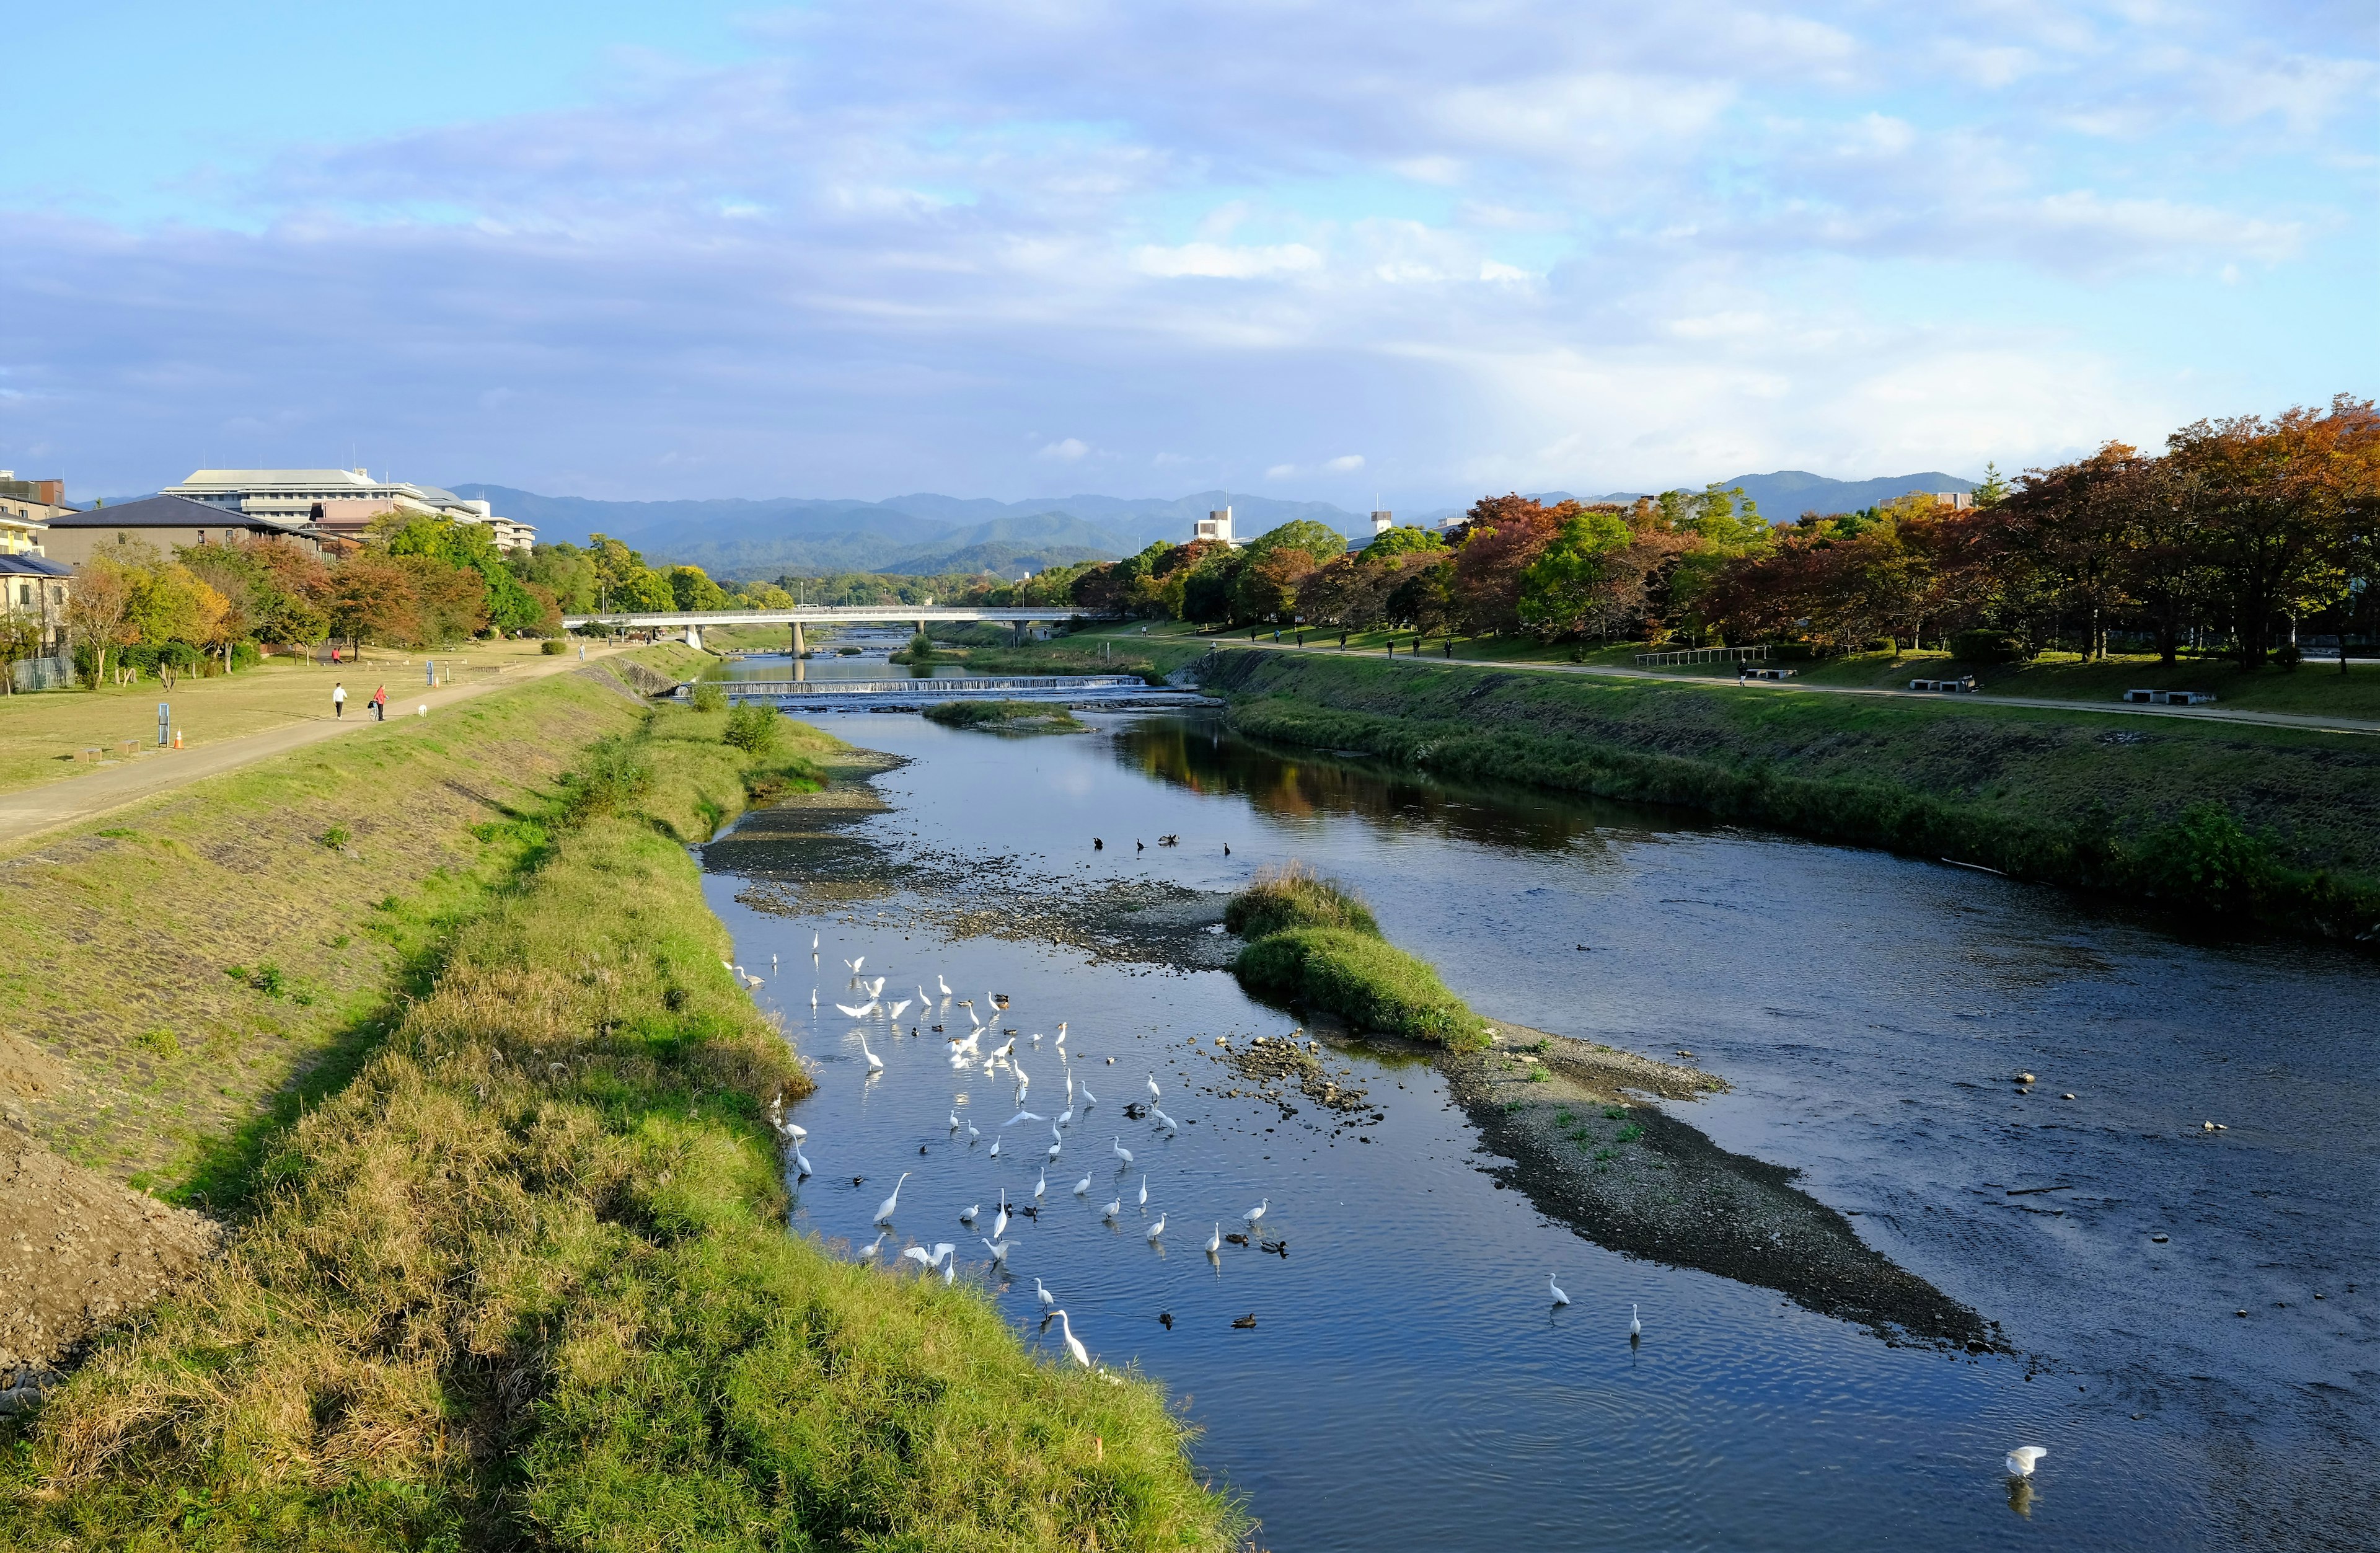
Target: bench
2170,698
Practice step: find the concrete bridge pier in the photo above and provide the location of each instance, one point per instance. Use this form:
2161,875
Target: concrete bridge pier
801,671
693,637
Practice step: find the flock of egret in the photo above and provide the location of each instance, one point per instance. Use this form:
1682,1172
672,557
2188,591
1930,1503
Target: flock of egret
965,1052
968,1052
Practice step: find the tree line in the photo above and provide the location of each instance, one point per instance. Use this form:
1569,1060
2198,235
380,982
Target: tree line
2242,531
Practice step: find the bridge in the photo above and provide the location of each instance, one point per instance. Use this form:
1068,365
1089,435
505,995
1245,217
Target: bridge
693,621
1082,688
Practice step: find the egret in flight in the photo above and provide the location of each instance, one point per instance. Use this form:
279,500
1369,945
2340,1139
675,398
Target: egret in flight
2021,1459
1000,1251
862,1011
884,1214
1022,1116
855,964
897,1008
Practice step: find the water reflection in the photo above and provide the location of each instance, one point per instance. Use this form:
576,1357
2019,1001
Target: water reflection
1302,787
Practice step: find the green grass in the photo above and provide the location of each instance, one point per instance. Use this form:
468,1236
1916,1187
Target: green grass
1313,944
1014,717
525,1280
2268,822
1294,896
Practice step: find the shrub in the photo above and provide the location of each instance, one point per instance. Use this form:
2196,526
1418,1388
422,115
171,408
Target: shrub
711,696
552,647
1363,979
1294,896
336,837
162,1042
1988,647
1040,715
2208,858
1880,644
752,730
613,775
1793,651
2289,655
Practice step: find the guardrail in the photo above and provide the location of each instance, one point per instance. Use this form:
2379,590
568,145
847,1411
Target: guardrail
1701,654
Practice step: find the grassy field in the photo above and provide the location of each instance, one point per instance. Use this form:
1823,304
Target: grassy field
1314,946
215,957
524,1280
2096,800
43,737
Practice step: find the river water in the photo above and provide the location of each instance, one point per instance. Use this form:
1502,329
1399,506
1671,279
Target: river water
1407,1382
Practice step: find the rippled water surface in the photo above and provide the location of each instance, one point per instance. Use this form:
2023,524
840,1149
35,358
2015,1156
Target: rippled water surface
1407,1384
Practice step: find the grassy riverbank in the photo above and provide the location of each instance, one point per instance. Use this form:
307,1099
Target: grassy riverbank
2261,822
1312,944
524,1280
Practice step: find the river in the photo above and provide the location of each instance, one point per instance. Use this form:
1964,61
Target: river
1407,1382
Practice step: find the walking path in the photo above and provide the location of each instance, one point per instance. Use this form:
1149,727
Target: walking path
2216,714
31,810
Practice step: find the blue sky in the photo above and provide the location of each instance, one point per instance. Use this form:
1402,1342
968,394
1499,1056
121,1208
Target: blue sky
1413,250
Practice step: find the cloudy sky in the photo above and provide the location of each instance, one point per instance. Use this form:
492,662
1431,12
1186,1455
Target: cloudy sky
1145,248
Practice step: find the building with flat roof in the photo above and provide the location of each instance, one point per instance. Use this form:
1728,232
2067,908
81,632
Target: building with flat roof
24,506
165,522
1216,525
340,502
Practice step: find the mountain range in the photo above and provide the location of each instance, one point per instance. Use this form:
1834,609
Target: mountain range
928,534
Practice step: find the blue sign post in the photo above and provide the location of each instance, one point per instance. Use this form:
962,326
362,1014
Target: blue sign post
164,724
430,668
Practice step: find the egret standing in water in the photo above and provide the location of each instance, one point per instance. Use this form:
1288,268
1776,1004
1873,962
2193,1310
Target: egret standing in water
1043,1295
1157,1230
1154,1093
1144,1192
1560,1298
884,1214
1636,1328
1041,1187
1083,1187
2021,1459
1257,1212
1122,1154
874,1246
1000,1253
1215,1240
875,1063
1073,1344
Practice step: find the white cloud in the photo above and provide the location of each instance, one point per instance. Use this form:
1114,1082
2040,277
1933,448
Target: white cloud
1345,464
1219,262
1282,472
1071,451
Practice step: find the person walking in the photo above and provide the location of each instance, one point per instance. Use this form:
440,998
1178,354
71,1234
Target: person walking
339,700
380,705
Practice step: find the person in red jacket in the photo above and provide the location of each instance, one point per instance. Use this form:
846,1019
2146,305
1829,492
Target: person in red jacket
380,705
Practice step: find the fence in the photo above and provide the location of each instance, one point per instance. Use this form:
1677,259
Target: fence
1701,655
42,674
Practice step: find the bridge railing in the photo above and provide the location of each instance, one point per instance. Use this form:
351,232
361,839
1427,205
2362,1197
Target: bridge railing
787,689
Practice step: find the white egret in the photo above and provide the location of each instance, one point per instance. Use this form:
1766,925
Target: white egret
1041,1187
954,1121
884,1214
801,1163
1215,1240
876,987
1635,1325
1062,1033
967,1217
862,1011
1113,1209
1070,1091
875,1063
1157,1230
1000,1251
1255,1213
794,1129
1000,1225
1065,1117
995,1149
972,1134
1144,1192
855,964
1154,1093
1022,1116
895,1011
943,984
1560,1298
1043,1295
772,964
1083,1187
874,1246
813,998
1122,1154
1073,1344
2021,1459
814,941
730,967
1166,1121
920,1255
1088,1099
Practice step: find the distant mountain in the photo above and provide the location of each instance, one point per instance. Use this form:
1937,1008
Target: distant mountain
919,535
1781,496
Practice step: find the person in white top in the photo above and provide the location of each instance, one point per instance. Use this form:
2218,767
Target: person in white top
339,701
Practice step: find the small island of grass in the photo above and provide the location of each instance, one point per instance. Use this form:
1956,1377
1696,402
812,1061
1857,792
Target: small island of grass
1312,942
1007,716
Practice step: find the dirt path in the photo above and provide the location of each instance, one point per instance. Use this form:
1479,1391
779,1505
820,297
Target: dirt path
31,812
1787,687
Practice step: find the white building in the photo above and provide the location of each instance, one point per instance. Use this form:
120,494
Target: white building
1216,525
339,501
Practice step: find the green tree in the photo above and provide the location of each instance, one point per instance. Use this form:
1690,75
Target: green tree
1389,543
1578,581
623,584
691,588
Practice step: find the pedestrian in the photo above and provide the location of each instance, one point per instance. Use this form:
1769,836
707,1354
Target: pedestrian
338,699
380,705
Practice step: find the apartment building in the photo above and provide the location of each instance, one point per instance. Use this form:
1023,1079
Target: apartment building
341,503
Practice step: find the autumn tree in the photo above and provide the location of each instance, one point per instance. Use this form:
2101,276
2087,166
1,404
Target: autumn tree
1504,536
96,609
